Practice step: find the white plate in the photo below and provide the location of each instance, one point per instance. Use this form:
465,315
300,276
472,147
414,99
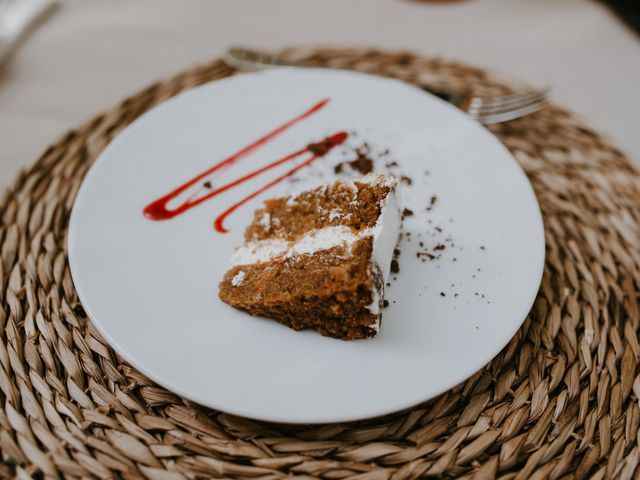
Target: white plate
150,287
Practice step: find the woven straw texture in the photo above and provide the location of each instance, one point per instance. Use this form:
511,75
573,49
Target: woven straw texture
560,401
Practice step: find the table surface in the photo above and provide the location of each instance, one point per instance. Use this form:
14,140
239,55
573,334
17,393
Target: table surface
90,54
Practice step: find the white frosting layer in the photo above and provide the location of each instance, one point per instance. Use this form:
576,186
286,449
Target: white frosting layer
262,251
385,237
314,241
325,238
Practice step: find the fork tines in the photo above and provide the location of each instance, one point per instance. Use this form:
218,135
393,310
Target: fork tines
505,107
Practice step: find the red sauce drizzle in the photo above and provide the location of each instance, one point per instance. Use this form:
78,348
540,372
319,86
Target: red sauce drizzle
158,210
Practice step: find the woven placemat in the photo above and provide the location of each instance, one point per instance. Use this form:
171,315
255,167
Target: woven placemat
561,400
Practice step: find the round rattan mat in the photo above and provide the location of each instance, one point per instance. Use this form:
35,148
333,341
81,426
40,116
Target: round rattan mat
561,400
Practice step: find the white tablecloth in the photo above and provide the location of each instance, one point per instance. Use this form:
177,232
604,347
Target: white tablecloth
92,53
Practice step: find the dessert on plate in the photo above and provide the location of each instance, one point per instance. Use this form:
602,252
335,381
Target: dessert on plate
319,259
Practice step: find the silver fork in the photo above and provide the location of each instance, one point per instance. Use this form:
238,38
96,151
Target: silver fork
487,110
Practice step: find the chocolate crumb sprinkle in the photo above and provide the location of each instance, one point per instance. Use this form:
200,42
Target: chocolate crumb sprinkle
407,212
362,163
442,294
395,266
321,148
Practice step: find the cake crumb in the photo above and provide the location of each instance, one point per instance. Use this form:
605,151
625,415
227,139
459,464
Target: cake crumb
395,266
362,163
385,303
407,212
321,148
238,278
442,294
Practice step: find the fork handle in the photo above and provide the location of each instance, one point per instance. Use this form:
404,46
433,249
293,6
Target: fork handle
250,59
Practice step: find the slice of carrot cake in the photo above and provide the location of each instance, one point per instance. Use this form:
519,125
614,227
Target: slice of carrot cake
319,259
